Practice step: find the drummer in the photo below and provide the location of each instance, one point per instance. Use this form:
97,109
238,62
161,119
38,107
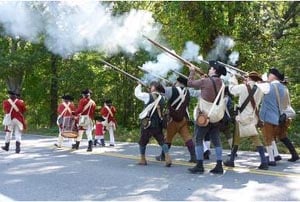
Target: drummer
64,110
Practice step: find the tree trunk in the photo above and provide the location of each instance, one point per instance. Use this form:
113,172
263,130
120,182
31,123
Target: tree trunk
53,90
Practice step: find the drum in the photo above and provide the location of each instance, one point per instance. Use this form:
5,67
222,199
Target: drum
69,134
69,128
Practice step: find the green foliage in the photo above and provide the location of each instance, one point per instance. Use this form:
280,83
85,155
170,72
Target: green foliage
266,34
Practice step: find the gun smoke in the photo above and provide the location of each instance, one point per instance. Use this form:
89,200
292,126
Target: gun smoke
68,27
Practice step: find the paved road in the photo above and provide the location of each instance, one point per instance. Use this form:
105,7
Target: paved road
42,172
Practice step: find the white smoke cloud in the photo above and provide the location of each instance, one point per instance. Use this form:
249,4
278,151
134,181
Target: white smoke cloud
165,63
234,57
221,45
191,51
73,26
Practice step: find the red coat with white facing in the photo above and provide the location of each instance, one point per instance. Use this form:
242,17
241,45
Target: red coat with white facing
14,114
61,108
89,111
105,113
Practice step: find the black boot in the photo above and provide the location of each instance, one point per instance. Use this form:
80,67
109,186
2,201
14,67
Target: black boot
218,169
90,147
95,142
264,162
198,168
102,142
161,157
76,145
230,162
193,159
6,147
206,154
286,141
18,148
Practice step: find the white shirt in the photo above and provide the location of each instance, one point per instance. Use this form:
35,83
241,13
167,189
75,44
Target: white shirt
145,97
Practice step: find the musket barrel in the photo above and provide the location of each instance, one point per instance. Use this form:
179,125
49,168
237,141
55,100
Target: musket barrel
180,74
122,71
155,75
184,61
232,67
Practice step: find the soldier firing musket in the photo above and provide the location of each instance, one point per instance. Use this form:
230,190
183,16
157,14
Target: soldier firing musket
182,60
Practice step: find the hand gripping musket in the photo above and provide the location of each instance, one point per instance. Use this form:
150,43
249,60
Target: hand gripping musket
123,72
155,75
182,60
180,74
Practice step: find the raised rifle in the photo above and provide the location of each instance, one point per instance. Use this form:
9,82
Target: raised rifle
180,74
155,75
182,60
123,72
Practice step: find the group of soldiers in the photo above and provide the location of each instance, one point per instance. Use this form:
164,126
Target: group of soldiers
259,105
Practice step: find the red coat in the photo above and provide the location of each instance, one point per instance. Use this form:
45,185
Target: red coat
105,113
82,103
61,108
14,114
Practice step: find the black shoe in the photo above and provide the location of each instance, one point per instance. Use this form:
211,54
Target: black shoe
4,148
277,158
272,163
57,145
196,169
230,155
229,163
111,145
217,170
293,159
206,155
193,159
263,166
160,158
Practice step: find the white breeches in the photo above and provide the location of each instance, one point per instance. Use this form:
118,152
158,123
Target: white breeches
16,127
88,131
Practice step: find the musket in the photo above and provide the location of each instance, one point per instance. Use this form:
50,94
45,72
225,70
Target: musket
122,71
240,74
155,75
180,74
182,60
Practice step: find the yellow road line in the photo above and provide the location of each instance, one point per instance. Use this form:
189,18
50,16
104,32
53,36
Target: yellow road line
184,163
209,166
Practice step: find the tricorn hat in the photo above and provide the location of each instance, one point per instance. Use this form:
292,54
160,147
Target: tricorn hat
67,97
108,101
182,80
86,92
254,76
276,72
10,92
220,69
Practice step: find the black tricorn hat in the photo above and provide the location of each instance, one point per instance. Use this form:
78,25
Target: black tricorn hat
86,92
67,97
10,92
276,72
182,80
108,101
220,69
